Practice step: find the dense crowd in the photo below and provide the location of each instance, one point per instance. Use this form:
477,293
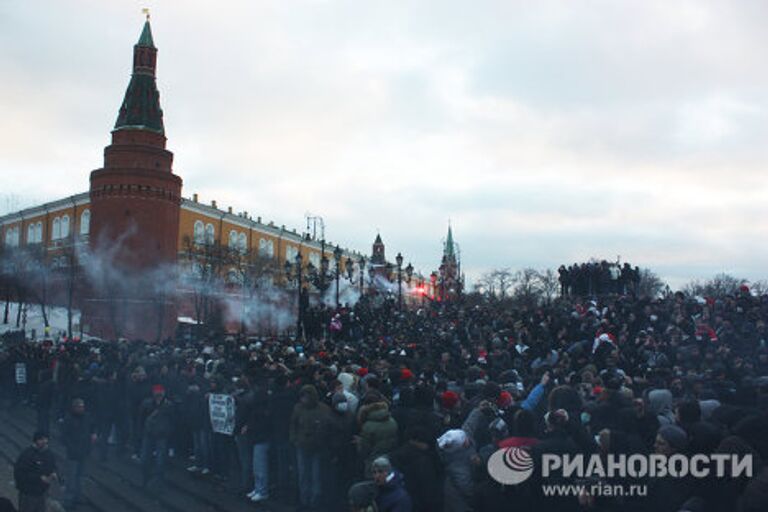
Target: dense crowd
596,278
396,411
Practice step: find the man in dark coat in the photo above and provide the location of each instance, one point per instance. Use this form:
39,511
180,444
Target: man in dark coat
33,472
420,465
258,430
308,423
157,415
77,434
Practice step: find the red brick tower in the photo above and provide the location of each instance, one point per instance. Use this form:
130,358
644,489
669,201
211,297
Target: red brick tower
135,200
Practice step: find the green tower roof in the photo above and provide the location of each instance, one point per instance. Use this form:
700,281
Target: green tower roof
145,39
140,109
449,242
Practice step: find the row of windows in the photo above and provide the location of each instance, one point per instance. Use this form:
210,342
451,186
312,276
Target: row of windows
206,234
59,229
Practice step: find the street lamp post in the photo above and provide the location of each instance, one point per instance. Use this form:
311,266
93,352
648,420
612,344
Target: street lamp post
372,276
408,274
337,259
399,261
294,272
361,263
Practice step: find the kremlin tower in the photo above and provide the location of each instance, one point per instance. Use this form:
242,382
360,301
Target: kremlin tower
135,201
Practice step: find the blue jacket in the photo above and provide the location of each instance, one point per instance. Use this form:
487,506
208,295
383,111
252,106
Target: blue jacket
393,497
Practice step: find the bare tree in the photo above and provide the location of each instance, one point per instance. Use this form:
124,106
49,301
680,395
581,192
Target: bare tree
650,284
205,263
527,286
759,288
549,285
719,286
503,280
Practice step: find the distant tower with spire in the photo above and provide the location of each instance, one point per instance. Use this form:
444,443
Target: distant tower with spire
449,285
377,256
135,204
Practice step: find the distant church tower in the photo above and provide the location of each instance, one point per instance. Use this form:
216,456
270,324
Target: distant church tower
135,202
450,281
378,257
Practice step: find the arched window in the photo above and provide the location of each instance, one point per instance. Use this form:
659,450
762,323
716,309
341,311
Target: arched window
65,226
56,231
233,239
210,234
39,232
85,222
267,249
199,232
290,253
31,239
242,242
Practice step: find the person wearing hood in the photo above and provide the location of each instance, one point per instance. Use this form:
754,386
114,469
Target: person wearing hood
667,494
459,457
346,383
378,431
309,423
341,453
392,495
660,404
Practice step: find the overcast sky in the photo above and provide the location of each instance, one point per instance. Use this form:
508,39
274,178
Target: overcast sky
548,132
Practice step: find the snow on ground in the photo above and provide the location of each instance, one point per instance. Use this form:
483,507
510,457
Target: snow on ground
57,319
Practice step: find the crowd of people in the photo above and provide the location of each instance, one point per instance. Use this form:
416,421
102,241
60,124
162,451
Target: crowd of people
401,410
596,278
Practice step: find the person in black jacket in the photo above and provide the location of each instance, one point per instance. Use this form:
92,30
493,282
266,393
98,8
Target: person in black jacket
78,434
420,466
157,415
33,472
258,429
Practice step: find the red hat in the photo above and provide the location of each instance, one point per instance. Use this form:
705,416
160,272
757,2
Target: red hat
362,372
157,389
449,399
406,374
505,400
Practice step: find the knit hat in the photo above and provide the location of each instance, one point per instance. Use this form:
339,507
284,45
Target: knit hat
675,436
505,400
362,494
362,372
406,374
158,389
382,463
449,399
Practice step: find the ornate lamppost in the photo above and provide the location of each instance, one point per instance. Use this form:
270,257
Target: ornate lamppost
294,272
361,264
399,261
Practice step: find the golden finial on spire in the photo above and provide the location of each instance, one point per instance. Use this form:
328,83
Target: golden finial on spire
146,12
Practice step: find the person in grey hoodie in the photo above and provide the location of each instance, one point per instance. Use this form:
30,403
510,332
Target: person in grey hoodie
660,404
